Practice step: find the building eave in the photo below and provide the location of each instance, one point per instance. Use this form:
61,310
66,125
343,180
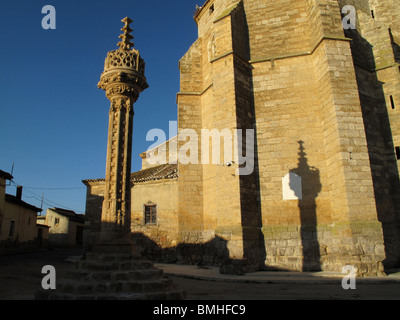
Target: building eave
161,172
14,200
5,175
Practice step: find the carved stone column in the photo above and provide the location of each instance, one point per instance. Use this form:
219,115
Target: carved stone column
123,80
112,271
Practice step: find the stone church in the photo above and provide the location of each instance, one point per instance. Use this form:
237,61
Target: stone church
323,99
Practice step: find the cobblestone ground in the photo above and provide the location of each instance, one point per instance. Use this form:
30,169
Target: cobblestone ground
20,278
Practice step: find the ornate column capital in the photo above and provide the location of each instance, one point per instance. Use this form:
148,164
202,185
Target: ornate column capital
124,68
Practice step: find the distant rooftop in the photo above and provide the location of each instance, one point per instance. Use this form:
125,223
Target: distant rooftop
165,171
72,215
5,175
15,200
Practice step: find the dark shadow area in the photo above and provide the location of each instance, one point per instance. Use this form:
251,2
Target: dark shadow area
382,157
65,240
395,47
306,188
79,235
213,252
254,252
92,231
11,247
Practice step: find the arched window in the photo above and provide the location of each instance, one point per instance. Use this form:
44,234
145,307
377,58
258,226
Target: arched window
150,213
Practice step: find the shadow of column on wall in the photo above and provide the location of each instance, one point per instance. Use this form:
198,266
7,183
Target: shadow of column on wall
378,131
310,187
254,252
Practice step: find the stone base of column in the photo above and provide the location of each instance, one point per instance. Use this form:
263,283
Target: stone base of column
113,273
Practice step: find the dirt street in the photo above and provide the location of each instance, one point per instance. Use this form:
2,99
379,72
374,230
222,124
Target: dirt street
20,278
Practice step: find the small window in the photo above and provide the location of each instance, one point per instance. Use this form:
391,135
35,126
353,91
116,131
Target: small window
398,153
211,9
56,221
392,102
372,14
12,228
150,214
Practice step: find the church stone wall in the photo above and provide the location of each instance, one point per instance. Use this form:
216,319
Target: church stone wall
302,95
375,53
287,71
164,195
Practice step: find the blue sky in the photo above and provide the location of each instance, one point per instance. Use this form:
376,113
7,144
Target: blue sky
53,118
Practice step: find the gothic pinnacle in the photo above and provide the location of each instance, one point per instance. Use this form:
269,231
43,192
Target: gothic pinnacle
126,37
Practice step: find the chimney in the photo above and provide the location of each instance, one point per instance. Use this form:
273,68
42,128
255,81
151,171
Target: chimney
19,192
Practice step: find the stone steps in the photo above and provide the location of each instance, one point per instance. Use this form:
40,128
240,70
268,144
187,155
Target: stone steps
113,276
122,275
97,256
112,287
170,295
114,265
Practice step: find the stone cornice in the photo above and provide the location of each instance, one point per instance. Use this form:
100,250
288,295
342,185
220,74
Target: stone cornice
270,58
193,93
299,54
228,11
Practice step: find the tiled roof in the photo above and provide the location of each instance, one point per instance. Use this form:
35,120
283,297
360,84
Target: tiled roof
165,171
